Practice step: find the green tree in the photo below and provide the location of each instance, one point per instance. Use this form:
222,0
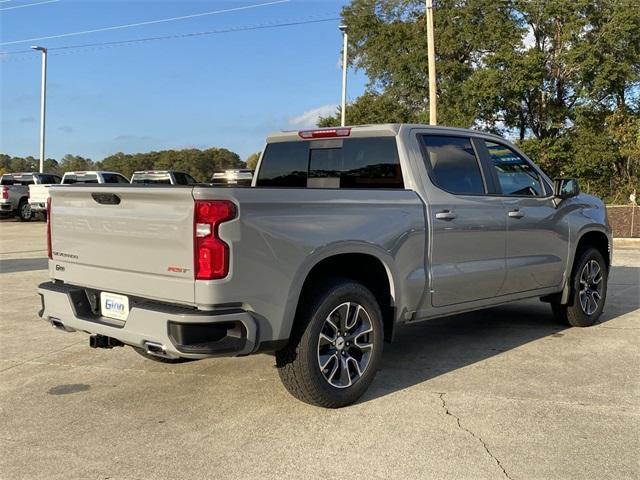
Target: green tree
555,75
71,163
388,41
201,164
373,107
51,165
252,160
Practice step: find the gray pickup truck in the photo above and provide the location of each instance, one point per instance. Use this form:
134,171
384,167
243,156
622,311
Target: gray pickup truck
14,192
345,235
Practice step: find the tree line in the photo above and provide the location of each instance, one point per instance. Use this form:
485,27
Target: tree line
200,164
560,77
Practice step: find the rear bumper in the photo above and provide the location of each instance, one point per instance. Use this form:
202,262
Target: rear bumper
180,331
6,207
38,207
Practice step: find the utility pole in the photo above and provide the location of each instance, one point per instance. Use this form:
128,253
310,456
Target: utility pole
345,43
432,64
43,102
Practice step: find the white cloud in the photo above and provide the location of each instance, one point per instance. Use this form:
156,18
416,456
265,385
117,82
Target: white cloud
529,40
310,117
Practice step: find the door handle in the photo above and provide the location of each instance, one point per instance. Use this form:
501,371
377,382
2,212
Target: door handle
445,215
516,213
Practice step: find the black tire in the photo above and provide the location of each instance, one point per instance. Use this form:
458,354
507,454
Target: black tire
575,313
142,352
299,362
24,211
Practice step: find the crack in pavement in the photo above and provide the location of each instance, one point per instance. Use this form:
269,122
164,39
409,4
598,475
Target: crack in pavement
482,442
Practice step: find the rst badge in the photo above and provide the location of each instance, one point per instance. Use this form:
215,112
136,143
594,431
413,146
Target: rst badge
113,305
173,269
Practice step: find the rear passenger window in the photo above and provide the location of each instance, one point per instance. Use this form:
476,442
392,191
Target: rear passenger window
184,178
181,178
371,163
336,163
114,178
48,179
453,165
284,164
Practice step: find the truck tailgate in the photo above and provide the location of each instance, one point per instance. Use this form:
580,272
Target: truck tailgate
38,193
135,240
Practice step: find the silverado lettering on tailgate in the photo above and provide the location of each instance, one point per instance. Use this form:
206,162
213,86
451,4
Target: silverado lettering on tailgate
117,227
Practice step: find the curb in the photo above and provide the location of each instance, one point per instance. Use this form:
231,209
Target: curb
626,243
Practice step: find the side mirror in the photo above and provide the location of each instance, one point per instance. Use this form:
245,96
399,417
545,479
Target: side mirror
564,188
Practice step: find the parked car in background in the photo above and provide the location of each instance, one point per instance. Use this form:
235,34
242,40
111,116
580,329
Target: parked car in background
241,176
70,178
14,192
346,235
163,177
39,194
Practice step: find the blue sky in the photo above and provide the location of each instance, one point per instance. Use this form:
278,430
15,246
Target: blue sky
225,90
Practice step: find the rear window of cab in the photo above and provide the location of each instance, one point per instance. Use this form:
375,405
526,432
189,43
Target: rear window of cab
332,163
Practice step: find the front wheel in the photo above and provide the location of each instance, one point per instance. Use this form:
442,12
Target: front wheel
588,291
335,346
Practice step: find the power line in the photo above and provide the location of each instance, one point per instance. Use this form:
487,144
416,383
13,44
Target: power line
26,4
149,22
263,26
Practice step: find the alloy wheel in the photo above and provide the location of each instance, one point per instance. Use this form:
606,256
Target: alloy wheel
345,344
25,210
591,286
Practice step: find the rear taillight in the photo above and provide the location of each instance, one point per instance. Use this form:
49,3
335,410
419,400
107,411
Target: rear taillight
49,252
5,193
211,254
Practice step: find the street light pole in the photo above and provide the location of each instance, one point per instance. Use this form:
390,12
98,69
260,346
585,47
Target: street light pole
345,43
43,102
432,63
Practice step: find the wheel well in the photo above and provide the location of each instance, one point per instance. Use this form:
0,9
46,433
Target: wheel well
594,239
363,268
597,240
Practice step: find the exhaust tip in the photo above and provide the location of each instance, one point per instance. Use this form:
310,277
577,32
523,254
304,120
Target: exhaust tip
153,348
58,325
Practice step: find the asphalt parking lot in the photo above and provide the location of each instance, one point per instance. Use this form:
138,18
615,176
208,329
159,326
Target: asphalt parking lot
505,393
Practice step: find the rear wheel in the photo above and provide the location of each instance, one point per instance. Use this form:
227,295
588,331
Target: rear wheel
335,347
24,210
588,291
